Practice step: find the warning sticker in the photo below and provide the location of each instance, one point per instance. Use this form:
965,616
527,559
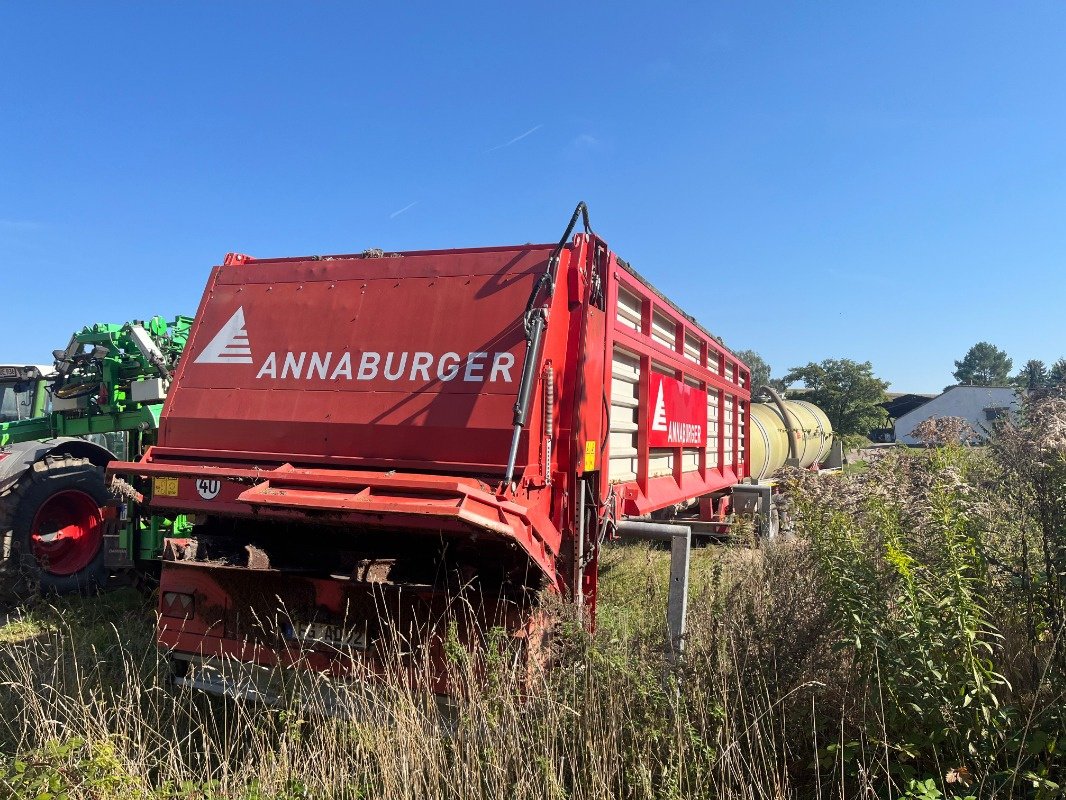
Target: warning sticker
590,456
165,487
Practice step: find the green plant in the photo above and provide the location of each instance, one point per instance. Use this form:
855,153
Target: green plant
62,769
914,554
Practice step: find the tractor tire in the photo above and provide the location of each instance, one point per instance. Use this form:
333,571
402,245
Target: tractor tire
56,524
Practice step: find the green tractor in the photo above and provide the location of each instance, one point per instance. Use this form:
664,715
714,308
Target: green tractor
61,527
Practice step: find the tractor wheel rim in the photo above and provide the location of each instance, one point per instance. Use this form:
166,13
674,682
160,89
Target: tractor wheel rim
67,532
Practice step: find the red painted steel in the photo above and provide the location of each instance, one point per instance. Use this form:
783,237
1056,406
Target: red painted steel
708,372
403,628
410,359
372,500
373,393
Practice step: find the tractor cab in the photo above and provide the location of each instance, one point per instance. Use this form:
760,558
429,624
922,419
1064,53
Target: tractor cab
22,391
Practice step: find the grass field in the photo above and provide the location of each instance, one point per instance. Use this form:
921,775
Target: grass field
601,724
907,644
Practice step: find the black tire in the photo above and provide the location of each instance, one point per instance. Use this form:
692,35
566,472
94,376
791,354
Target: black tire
81,484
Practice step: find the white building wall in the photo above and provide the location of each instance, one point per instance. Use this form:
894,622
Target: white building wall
968,402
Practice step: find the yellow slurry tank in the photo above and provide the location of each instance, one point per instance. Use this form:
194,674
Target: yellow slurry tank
804,423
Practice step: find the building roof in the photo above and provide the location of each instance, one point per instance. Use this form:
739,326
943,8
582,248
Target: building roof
899,404
894,395
977,386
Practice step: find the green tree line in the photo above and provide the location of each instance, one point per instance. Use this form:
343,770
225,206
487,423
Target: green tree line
847,391
987,365
851,394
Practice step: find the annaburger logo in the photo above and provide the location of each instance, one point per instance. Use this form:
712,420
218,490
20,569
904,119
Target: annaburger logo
678,417
658,421
230,345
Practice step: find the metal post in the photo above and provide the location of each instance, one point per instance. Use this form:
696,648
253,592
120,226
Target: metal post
579,553
680,549
680,538
756,498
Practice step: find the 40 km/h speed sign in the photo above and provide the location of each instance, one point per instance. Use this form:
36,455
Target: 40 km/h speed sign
208,488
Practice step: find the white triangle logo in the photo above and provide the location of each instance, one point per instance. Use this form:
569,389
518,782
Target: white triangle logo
658,421
230,345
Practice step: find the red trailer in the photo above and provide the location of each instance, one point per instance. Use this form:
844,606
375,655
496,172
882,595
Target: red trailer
360,437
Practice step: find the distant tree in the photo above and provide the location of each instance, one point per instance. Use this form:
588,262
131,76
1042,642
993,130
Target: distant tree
847,391
760,370
778,385
1057,374
985,365
1033,375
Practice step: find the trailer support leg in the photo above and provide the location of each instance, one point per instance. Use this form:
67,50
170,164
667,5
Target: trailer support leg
680,538
757,499
579,554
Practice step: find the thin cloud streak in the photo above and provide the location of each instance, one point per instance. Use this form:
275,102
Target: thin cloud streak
406,208
20,224
518,138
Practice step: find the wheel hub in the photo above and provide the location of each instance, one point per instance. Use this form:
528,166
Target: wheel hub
67,532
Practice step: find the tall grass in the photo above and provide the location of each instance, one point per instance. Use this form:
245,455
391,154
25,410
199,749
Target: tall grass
86,710
906,643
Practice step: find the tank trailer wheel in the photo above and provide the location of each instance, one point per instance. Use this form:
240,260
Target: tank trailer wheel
57,525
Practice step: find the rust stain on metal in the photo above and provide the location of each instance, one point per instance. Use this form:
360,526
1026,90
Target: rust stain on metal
257,557
374,570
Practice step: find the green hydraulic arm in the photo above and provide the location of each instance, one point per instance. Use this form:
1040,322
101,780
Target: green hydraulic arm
109,378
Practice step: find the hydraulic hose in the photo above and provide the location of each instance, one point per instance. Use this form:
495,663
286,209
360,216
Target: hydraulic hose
793,433
535,321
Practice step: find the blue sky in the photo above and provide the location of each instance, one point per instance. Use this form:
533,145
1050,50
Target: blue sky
882,182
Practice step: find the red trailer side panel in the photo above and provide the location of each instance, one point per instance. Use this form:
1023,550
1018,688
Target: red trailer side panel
408,361
661,452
